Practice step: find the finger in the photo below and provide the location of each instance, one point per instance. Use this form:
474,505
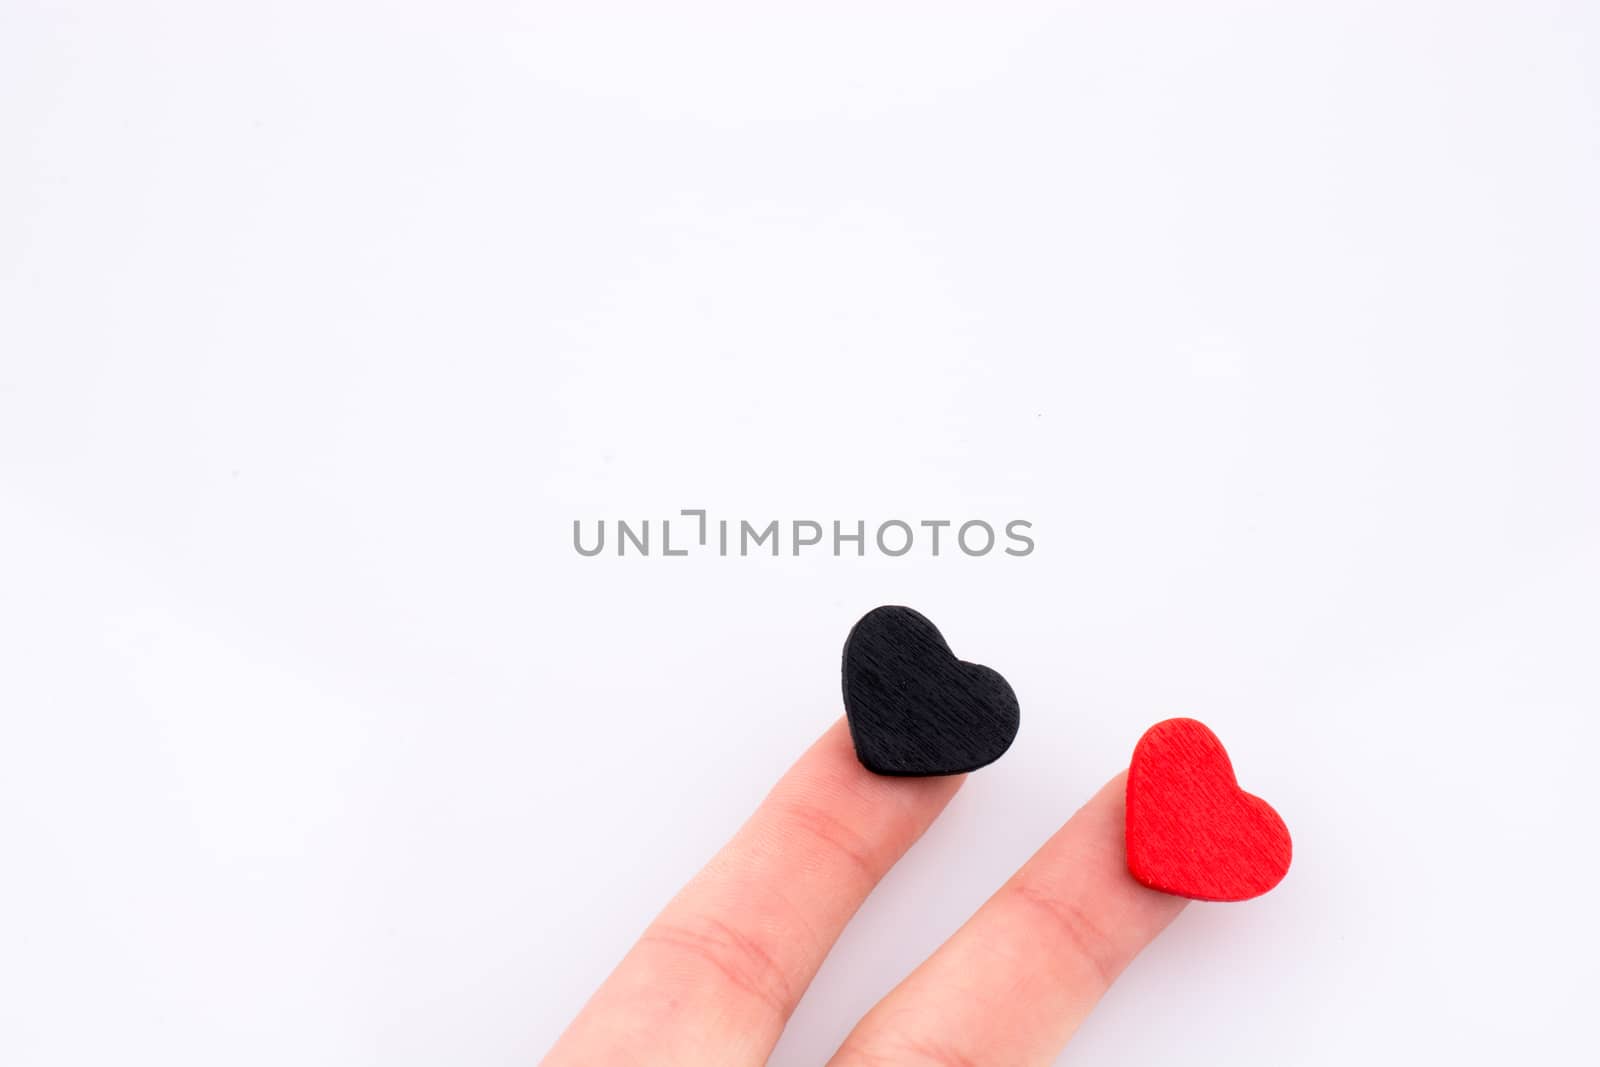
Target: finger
1012,985
717,974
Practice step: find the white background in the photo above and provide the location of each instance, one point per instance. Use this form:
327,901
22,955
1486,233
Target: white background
321,322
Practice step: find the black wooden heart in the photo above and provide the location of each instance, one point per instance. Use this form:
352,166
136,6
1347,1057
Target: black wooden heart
914,709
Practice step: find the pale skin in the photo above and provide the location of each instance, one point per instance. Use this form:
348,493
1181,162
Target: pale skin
717,974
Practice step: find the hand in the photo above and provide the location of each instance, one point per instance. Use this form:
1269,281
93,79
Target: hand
717,974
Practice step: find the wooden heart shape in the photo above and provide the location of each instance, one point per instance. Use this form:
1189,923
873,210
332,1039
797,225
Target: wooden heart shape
915,709
1191,831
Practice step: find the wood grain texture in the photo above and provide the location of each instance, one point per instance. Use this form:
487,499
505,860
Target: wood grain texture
915,709
1191,831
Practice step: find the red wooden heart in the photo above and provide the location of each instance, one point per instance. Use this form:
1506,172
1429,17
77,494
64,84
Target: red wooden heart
1191,830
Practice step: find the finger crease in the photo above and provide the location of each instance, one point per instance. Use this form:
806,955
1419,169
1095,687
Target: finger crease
839,837
739,958
906,1052
1085,939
